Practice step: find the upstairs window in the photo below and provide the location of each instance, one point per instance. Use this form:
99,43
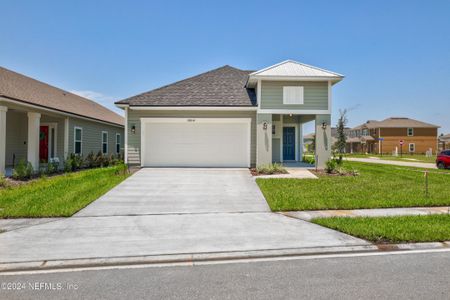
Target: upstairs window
104,142
292,95
77,140
410,131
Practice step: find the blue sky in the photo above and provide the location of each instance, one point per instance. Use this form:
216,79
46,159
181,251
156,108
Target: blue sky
395,54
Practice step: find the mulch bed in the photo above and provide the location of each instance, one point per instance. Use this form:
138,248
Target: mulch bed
256,173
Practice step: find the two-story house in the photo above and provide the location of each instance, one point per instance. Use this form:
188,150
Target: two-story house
229,117
393,135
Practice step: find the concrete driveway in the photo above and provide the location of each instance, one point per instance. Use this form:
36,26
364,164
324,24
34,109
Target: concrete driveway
166,212
175,191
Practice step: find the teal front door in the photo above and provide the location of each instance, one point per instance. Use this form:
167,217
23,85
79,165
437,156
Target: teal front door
288,143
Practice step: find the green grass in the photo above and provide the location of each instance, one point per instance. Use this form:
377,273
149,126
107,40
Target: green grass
58,196
405,157
377,186
432,228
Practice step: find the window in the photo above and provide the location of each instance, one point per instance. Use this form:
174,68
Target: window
104,142
410,131
292,95
117,143
412,147
273,129
78,140
365,132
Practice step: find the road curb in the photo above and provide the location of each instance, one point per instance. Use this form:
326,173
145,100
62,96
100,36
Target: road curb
192,259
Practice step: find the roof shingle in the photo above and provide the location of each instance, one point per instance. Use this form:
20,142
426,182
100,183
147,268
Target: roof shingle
224,86
25,89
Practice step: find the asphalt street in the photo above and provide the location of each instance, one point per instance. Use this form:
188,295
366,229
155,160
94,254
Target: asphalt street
404,276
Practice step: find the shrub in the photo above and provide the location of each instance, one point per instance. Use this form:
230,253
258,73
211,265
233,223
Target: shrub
3,182
99,159
68,165
90,160
23,170
52,167
309,160
271,169
330,166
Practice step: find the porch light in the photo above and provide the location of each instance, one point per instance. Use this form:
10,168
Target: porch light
324,125
265,125
133,129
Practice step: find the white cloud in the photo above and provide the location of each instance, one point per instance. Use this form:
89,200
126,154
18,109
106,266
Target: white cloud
105,100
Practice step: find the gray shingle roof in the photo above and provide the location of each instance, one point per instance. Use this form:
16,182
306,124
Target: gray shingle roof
224,86
395,122
25,89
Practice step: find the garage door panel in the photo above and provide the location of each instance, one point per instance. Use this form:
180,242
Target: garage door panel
209,143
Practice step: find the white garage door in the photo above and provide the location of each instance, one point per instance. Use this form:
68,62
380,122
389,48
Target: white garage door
195,142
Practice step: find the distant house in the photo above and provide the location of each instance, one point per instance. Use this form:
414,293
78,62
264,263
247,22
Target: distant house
308,139
444,142
393,134
41,123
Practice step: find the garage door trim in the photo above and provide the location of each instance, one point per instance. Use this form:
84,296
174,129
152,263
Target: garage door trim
225,120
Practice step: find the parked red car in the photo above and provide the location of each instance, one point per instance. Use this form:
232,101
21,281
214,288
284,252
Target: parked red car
443,159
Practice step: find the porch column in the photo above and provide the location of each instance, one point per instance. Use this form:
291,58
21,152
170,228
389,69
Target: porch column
34,120
300,140
3,110
323,140
263,139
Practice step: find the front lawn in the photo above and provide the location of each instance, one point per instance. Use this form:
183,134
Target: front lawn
432,228
405,157
377,186
58,196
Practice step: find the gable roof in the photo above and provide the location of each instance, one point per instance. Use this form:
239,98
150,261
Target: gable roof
290,68
224,86
395,122
21,88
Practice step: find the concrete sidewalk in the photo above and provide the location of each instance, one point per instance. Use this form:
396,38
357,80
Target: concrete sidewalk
378,212
393,162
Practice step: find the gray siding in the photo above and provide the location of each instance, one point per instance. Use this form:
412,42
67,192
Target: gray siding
276,149
16,136
315,95
92,136
134,140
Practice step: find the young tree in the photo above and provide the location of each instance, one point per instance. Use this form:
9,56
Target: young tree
340,131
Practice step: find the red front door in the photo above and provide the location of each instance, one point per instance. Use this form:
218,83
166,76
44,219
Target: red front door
43,143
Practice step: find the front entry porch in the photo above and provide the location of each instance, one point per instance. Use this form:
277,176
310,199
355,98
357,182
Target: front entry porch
280,138
30,135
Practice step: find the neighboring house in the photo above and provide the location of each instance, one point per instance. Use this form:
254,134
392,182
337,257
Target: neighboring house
444,142
229,117
39,122
386,137
309,138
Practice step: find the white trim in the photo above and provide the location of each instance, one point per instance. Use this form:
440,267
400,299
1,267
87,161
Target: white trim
107,140
122,105
66,138
125,140
295,62
118,143
58,112
52,125
293,112
407,131
259,93
196,120
409,147
193,108
330,93
74,139
299,78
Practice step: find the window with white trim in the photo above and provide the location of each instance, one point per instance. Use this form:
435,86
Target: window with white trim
117,143
78,140
104,142
412,147
410,131
292,95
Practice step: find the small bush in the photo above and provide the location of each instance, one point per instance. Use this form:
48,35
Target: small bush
309,160
270,169
90,160
68,165
23,170
330,166
3,182
99,159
